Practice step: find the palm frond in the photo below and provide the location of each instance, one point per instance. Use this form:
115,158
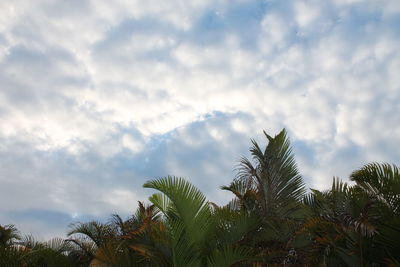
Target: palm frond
228,256
275,175
382,180
8,235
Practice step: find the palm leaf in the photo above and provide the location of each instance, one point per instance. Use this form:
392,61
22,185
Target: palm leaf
228,256
381,180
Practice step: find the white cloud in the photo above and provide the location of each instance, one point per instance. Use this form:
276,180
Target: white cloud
180,87
131,143
122,199
275,31
306,13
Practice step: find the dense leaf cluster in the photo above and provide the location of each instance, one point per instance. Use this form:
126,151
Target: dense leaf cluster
271,221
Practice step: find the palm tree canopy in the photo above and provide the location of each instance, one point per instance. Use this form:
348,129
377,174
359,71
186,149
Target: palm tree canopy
8,234
272,175
192,227
381,180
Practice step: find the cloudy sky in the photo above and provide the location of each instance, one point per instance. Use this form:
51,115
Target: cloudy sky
96,97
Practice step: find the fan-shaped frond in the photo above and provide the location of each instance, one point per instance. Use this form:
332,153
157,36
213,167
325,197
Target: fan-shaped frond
382,180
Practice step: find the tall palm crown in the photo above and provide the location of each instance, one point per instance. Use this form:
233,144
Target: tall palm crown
270,188
271,178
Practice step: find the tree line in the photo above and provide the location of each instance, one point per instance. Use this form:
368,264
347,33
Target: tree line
272,220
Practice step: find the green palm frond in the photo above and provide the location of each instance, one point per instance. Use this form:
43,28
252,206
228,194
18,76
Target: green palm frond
8,235
120,227
58,244
161,201
245,171
94,240
228,256
280,165
186,202
246,195
178,190
188,217
53,252
12,256
275,176
234,226
93,231
381,180
30,242
198,231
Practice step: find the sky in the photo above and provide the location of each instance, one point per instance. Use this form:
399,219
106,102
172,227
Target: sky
97,97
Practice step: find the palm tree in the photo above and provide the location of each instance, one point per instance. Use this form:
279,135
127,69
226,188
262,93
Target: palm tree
93,243
53,252
272,176
192,230
336,225
144,236
9,234
26,251
381,182
355,225
270,187
137,241
10,252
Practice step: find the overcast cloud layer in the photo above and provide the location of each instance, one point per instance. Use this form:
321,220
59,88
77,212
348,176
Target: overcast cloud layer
96,97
